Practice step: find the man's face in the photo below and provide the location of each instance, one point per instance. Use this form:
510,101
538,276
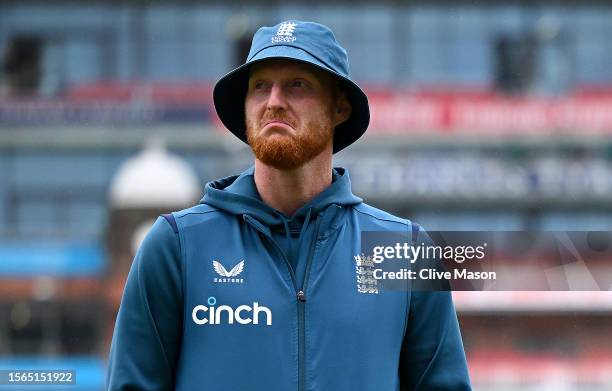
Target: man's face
291,111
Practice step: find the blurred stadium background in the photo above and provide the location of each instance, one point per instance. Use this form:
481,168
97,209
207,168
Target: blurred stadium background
485,115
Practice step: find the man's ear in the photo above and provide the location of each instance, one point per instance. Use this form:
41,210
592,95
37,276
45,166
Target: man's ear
343,109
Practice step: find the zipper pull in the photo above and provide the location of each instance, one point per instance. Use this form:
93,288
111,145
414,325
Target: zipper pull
301,296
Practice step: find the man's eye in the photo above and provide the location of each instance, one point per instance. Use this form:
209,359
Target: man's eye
298,83
259,85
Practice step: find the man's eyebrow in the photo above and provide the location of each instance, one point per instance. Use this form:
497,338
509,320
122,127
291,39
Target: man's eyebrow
298,75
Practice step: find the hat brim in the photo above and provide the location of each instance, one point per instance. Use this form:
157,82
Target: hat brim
230,92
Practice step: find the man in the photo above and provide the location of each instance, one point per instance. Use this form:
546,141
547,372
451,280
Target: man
255,287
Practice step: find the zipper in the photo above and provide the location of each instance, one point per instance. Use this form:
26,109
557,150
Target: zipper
256,225
300,295
310,257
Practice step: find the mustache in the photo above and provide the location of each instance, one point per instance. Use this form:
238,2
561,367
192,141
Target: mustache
277,116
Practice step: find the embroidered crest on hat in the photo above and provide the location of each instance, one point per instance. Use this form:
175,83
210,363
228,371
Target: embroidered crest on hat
284,33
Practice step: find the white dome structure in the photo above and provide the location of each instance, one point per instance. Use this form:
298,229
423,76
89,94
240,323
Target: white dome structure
154,179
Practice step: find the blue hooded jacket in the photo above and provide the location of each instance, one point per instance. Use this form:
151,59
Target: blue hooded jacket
231,294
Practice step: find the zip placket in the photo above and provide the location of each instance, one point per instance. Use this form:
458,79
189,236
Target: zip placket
300,294
302,311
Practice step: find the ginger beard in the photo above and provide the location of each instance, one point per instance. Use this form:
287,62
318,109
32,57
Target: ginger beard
289,151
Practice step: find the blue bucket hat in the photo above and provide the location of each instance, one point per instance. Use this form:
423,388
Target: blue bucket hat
308,42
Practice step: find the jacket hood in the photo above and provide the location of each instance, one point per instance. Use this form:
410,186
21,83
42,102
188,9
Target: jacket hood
238,195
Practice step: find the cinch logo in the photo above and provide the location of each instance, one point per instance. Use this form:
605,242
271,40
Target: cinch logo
284,33
210,314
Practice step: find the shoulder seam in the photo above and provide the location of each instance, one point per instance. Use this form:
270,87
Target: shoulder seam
415,232
171,220
401,221
198,213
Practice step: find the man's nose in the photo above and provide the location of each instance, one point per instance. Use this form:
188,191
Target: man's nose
277,98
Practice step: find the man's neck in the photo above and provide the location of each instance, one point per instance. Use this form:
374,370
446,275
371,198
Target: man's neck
288,190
